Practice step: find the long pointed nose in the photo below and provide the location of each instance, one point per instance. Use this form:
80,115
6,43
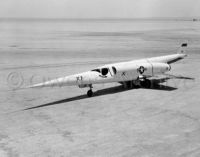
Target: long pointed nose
65,81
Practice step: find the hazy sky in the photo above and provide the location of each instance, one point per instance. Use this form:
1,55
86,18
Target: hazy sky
99,8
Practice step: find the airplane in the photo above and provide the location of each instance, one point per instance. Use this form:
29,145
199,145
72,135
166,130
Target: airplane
131,73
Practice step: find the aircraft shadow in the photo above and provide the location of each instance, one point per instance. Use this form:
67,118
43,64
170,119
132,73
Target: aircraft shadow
179,77
112,90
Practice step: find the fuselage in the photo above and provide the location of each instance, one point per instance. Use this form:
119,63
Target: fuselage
118,72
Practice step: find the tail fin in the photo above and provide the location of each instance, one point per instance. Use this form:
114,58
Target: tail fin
182,49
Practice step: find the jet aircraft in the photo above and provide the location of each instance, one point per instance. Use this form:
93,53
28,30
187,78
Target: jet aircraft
131,73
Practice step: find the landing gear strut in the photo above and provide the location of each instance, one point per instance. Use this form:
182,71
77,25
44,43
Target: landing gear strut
90,92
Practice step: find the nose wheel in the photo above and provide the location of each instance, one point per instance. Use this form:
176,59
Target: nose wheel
90,92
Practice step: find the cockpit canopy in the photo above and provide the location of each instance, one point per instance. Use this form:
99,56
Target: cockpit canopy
105,71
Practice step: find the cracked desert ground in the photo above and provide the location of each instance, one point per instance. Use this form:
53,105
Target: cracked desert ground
162,121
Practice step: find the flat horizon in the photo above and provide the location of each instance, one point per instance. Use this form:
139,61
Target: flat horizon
100,18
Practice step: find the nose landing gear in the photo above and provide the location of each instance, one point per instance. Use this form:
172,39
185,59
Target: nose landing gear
90,92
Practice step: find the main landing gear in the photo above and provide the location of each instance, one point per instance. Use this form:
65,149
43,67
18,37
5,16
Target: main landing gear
90,92
145,83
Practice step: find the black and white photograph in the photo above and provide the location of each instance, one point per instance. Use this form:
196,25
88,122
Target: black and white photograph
100,78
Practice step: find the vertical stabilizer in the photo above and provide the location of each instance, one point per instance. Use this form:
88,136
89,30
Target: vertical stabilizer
182,49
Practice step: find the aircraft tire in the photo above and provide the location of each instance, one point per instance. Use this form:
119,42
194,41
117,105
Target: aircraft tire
136,83
90,93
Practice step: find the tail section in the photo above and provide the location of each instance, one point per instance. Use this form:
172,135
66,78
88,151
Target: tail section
169,59
180,54
182,49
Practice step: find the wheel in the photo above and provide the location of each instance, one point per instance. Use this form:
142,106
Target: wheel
146,83
136,83
90,93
